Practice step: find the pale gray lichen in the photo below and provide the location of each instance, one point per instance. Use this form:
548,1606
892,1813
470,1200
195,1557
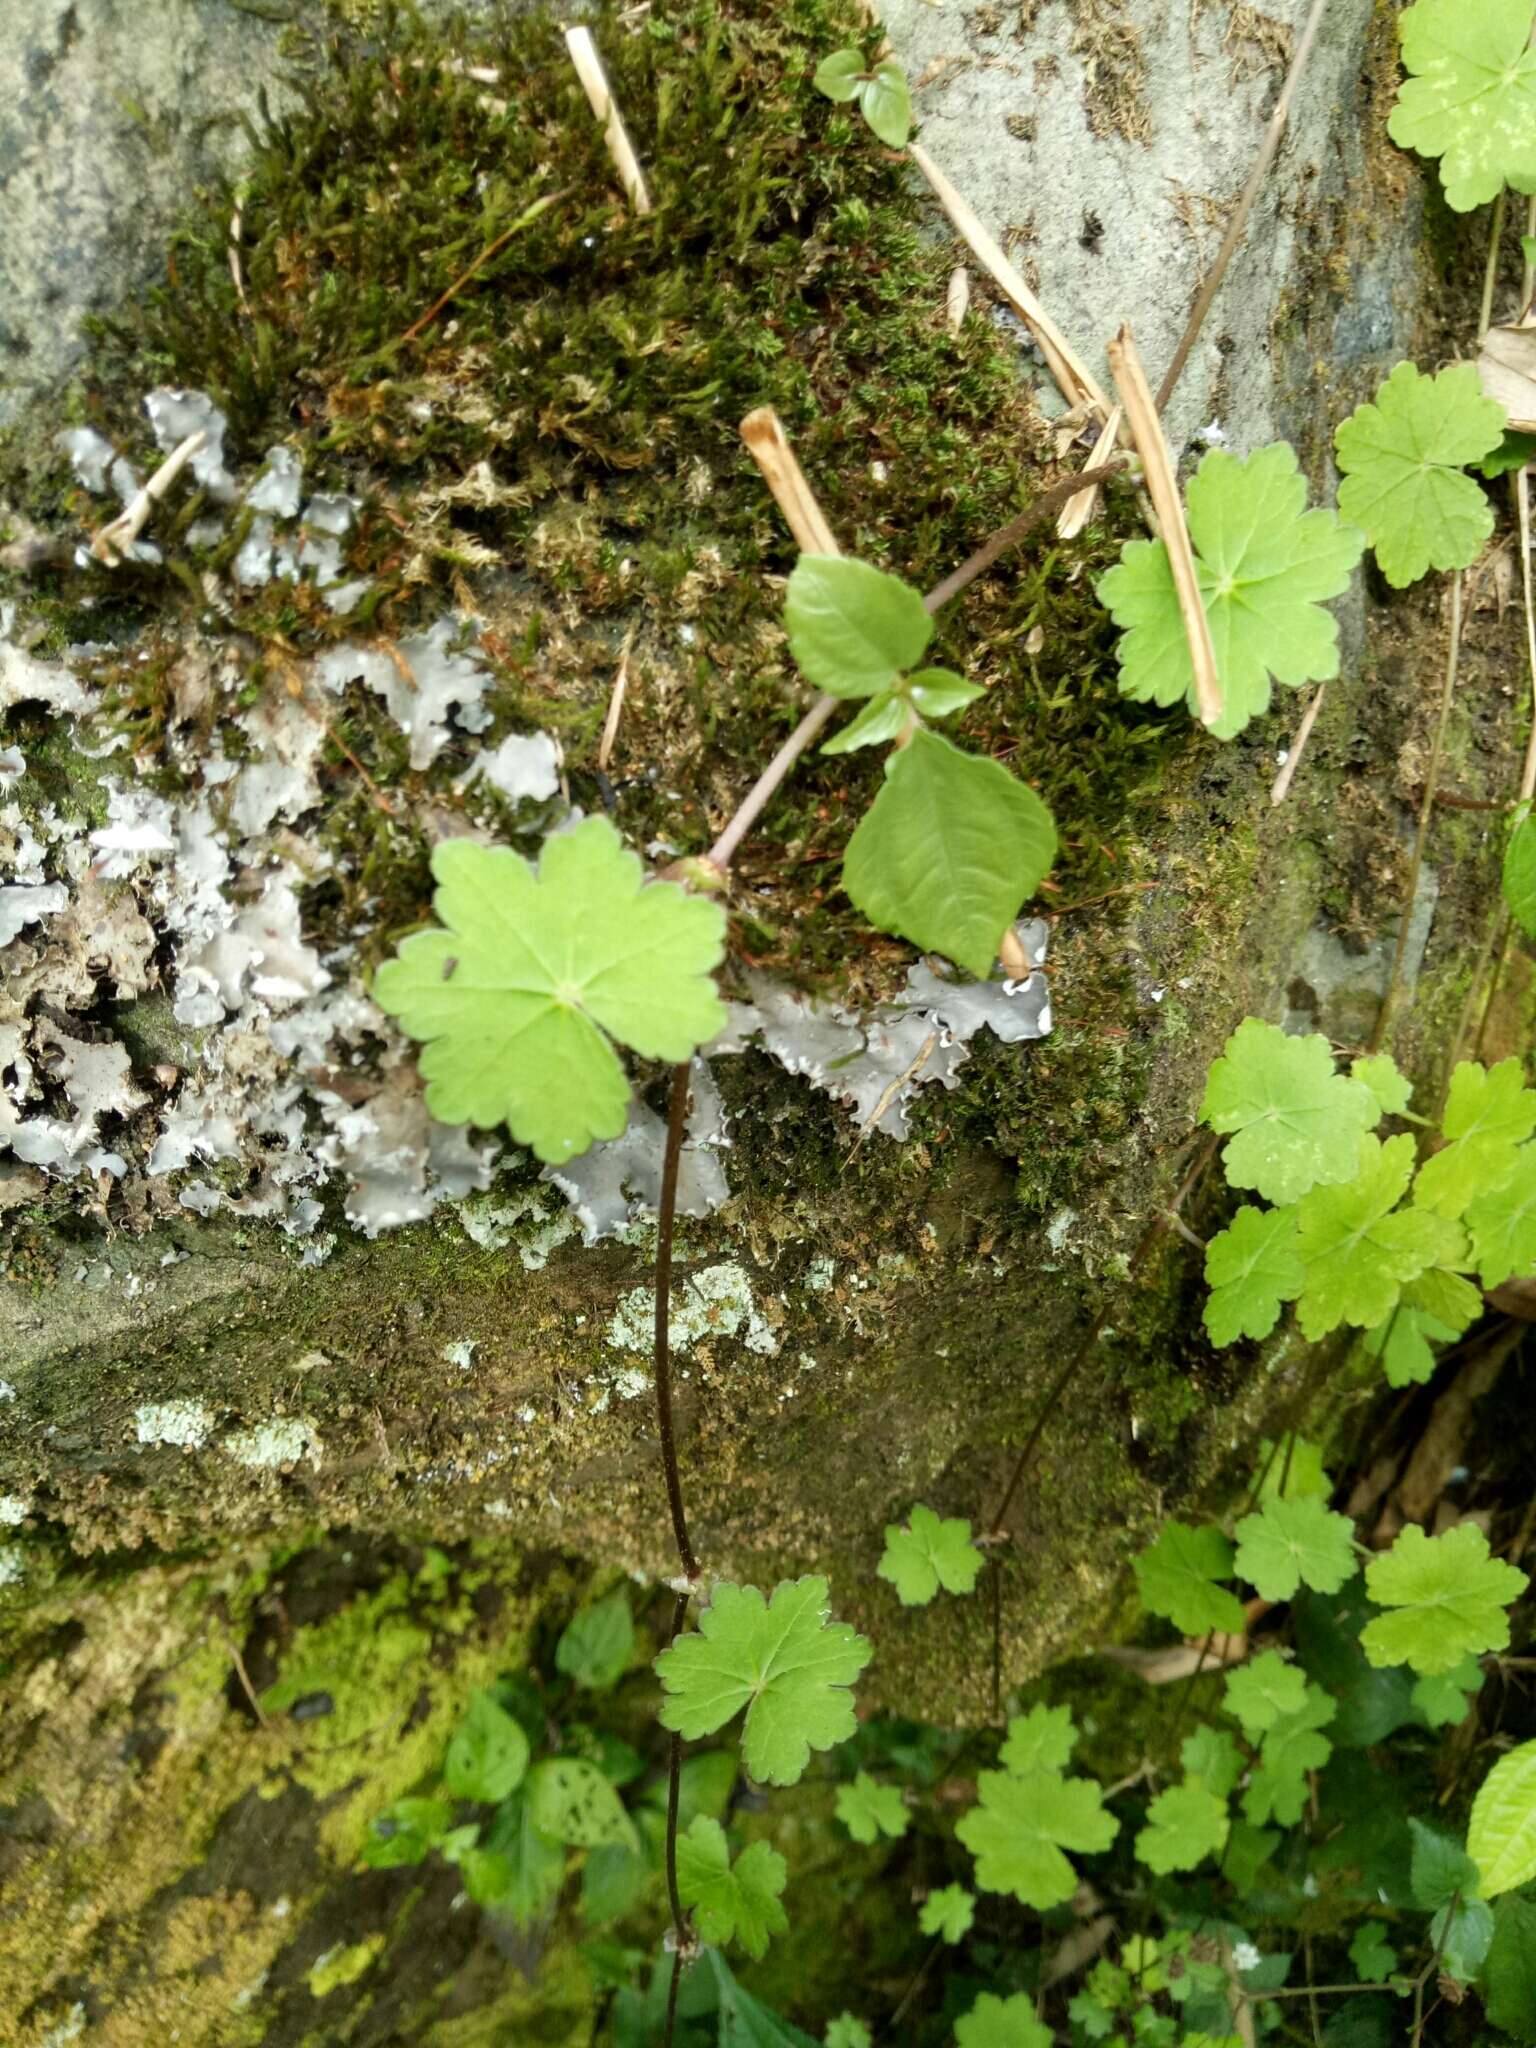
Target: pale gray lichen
270,1445
185,1423
715,1302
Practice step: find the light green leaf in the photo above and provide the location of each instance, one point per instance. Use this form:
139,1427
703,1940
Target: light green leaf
1359,1248
1293,1468
1265,567
1251,1268
571,1801
949,850
1176,1576
1470,98
523,995
1403,484
1263,1691
1501,1837
948,1913
1295,1543
783,1660
994,2022
488,1754
1509,1975
939,691
1373,1957
929,1553
838,75
1445,1699
1403,1344
406,1832
1210,1754
852,627
886,104
731,1902
1502,1225
1489,1112
1020,1826
1294,1122
1380,1073
595,1644
1291,1748
1185,1824
867,1809
1449,1297
1446,1598
1040,1740
881,719
847,2032
1519,878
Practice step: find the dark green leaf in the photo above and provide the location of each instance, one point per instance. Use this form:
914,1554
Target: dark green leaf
1520,871
1509,1975
595,1645
743,2022
1442,1869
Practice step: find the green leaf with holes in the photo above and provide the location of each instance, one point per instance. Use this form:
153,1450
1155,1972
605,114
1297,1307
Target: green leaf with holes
537,976
1404,483
571,1801
949,851
488,1754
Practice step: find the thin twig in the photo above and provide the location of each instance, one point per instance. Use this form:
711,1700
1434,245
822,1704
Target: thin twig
114,539
1080,509
594,82
615,704
1009,536
1162,486
1491,267
677,1116
1239,221
1282,783
1426,813
524,220
236,228
1076,382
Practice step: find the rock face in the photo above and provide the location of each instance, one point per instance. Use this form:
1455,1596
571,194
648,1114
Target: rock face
199,1368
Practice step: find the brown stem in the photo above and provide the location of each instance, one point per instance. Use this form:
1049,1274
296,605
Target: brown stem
1239,222
1426,813
677,1114
1008,536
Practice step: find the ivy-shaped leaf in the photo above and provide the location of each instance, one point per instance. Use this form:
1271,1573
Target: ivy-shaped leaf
948,851
1177,1576
1293,1120
1263,1691
1040,1740
1489,1113
929,1553
948,1913
994,2022
1403,482
535,978
1404,1344
1185,1824
1446,1598
1390,1086
867,1809
1295,1543
1470,98
1210,1754
1440,1869
1445,1699
1502,1226
737,1901
847,2031
1265,565
1501,1836
1020,1826
1292,1747
1251,1268
783,1660
1359,1247
1371,1955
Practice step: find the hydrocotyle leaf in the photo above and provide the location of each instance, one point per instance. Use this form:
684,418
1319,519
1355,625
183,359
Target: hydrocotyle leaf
1020,1826
948,852
1177,1576
853,628
1404,1344
1446,1598
1402,457
1042,1739
1501,1836
1359,1248
1266,566
948,1912
536,976
994,2022
1251,1268
1502,1226
868,1809
1489,1113
737,1901
1470,98
928,1553
1263,1691
782,1659
1294,1121
1295,1543
1185,1824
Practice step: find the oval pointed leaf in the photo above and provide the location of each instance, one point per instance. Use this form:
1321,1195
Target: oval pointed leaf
881,719
853,628
887,105
838,75
1501,1838
948,852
